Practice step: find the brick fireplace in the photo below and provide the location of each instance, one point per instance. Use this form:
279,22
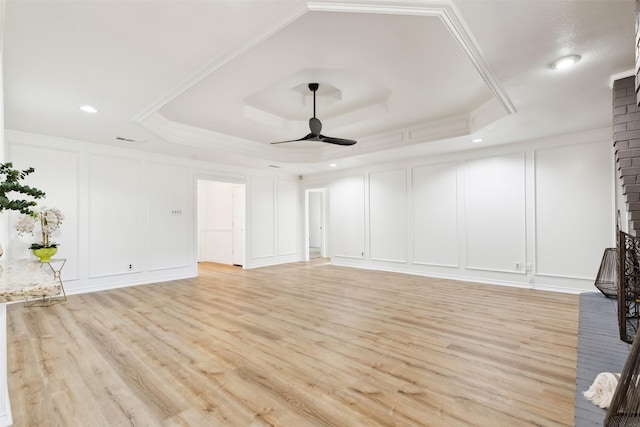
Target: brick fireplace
626,142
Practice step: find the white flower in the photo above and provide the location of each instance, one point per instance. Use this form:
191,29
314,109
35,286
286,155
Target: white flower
50,220
26,224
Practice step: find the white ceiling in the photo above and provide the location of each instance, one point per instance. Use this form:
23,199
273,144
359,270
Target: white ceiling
219,80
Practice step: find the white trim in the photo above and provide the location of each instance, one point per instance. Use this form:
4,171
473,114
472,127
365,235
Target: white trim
431,264
446,11
564,276
622,75
397,261
267,30
450,17
496,270
349,256
458,278
5,407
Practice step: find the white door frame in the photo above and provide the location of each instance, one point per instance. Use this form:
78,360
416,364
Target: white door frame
224,179
239,224
323,235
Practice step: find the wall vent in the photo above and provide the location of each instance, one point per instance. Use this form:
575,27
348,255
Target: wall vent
120,138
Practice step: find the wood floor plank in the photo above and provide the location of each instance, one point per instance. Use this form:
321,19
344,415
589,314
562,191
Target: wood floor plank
302,344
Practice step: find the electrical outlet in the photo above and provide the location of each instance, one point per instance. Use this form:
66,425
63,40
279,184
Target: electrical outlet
176,211
130,266
518,266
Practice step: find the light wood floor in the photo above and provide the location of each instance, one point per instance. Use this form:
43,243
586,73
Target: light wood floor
303,344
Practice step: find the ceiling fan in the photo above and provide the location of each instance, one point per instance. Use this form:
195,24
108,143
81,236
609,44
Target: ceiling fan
316,126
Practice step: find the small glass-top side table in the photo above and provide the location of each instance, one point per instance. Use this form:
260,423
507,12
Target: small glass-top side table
56,265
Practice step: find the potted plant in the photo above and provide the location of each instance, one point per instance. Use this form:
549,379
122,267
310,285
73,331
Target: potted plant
11,185
49,220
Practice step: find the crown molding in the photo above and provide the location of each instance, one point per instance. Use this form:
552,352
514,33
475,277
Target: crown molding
191,136
266,31
447,12
195,137
444,10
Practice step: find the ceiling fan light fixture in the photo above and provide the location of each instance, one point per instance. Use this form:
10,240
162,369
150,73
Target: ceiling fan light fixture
565,62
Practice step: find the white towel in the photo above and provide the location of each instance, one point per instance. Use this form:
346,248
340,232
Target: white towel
602,389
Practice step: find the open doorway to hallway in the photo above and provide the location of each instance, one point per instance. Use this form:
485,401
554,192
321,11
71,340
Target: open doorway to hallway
315,232
221,222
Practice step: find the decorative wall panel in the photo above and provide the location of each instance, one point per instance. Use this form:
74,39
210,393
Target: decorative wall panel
347,217
388,215
573,202
262,221
495,223
57,175
116,216
288,202
170,216
435,215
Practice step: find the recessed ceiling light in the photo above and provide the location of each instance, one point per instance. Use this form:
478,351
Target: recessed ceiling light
332,165
88,109
565,62
476,140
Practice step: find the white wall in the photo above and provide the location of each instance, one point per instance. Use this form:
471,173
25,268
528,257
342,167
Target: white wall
573,202
494,212
5,406
388,215
475,215
169,201
347,217
435,211
116,215
274,232
536,214
130,208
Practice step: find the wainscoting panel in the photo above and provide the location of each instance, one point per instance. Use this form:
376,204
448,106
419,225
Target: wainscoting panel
573,201
288,214
56,173
261,199
495,213
116,216
435,212
170,217
347,217
388,215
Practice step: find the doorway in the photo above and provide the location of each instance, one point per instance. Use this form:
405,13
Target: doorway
316,224
221,222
